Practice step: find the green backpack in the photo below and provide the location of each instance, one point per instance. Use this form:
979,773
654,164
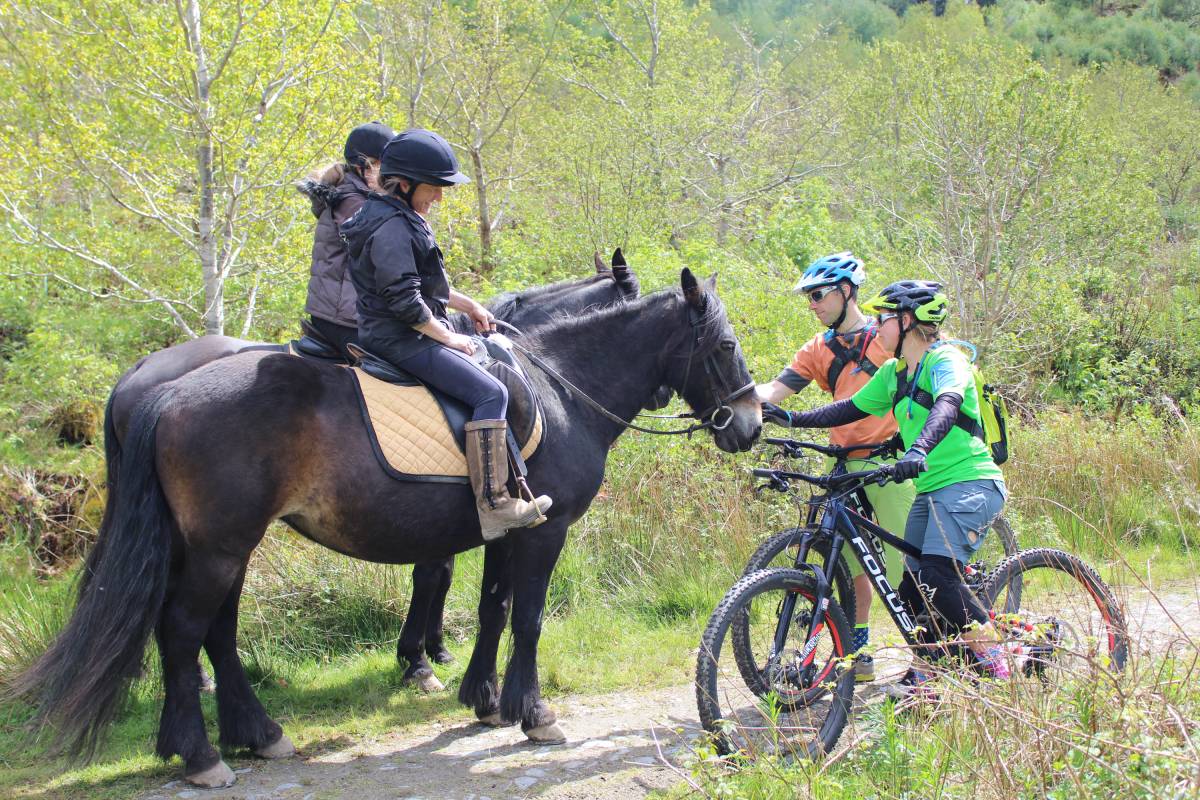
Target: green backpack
991,427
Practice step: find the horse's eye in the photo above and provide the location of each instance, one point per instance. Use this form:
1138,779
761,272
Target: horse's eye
729,344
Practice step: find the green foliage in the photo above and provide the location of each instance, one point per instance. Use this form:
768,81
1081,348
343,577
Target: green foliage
1162,35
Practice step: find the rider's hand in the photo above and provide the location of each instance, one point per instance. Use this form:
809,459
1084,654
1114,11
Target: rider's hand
892,448
483,319
909,466
773,413
464,344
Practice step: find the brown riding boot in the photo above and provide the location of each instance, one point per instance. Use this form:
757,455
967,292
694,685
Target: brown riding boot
487,463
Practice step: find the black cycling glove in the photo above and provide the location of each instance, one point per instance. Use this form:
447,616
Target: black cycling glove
777,415
910,465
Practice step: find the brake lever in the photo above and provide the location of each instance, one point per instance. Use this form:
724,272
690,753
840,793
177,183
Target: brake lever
790,451
777,484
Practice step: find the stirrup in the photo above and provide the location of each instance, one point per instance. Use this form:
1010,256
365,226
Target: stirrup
527,495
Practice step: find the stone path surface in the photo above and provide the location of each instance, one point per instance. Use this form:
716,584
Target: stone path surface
619,746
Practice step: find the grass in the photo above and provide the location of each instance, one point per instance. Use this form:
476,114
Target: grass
634,587
1092,738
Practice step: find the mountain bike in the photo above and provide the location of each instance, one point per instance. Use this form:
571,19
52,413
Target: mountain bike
1062,623
779,550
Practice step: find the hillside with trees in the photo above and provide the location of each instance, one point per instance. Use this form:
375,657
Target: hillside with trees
1040,159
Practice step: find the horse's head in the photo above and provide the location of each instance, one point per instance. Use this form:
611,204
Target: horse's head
714,379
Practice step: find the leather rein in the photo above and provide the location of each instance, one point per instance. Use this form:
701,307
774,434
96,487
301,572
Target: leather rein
711,371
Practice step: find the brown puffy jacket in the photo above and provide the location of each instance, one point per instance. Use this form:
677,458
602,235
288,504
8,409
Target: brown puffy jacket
331,294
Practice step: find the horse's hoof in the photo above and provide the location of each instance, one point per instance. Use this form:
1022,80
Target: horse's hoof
281,749
492,720
442,657
546,734
429,684
218,776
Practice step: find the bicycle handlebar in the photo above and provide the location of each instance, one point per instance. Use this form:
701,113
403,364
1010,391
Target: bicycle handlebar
792,447
779,478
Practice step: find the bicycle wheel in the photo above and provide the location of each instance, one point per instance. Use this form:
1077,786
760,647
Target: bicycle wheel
780,551
1066,623
999,543
750,648
771,718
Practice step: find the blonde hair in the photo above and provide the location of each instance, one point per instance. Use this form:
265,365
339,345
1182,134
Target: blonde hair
391,185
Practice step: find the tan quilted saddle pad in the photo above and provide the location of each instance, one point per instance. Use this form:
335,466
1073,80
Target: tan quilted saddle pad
411,435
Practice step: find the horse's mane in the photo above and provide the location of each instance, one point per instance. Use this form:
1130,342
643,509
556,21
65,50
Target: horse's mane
504,306
710,327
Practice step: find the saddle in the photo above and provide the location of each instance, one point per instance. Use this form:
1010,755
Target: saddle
312,344
418,433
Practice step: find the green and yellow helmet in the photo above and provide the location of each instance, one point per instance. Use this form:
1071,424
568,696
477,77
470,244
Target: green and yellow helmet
923,298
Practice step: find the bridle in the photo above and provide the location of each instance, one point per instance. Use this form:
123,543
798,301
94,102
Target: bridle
717,385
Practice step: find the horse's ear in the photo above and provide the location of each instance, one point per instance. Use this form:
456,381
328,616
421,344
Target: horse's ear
691,290
711,283
599,262
620,270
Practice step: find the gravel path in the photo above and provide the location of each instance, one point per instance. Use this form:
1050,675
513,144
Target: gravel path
620,746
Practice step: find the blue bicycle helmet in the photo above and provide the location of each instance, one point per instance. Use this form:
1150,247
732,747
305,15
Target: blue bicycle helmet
832,269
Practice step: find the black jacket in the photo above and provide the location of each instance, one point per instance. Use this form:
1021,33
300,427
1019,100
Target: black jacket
331,295
399,275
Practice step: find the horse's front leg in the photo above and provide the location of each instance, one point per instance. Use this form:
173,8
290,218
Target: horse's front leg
480,687
534,556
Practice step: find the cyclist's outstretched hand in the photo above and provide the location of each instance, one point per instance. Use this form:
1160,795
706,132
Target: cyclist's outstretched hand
909,466
773,413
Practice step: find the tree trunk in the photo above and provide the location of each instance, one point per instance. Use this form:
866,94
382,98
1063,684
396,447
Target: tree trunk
485,217
214,295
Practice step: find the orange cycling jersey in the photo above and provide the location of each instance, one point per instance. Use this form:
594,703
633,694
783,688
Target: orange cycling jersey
812,363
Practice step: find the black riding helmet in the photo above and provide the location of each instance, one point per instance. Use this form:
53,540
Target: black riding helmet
367,141
421,156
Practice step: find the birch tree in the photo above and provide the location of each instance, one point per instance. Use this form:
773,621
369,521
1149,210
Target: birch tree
179,124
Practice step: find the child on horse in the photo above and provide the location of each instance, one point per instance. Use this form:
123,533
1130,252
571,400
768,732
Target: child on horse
403,297
336,194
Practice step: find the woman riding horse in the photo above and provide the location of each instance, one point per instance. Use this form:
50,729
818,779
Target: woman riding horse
337,194
403,295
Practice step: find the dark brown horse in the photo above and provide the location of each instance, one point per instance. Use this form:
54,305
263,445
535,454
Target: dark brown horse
423,631
213,457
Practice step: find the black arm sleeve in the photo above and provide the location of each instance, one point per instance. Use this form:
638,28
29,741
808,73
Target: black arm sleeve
941,419
792,379
842,412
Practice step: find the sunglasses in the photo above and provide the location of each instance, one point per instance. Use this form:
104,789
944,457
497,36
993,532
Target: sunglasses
887,316
817,295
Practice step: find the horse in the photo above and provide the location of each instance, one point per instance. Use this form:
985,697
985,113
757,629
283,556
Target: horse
215,456
422,634
521,309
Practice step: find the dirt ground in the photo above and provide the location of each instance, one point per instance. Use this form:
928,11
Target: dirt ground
619,746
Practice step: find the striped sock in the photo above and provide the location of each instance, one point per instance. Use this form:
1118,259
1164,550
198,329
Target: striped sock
861,637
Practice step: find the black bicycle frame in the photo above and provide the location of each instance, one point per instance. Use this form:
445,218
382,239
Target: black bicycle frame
842,525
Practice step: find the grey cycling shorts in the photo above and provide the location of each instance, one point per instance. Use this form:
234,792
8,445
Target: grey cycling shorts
952,521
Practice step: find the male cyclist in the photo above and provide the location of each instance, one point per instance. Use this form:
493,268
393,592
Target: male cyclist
929,387
841,360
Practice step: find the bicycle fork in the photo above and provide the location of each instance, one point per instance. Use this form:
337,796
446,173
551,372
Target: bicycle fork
816,625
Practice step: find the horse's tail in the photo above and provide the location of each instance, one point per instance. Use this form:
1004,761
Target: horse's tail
112,471
80,682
